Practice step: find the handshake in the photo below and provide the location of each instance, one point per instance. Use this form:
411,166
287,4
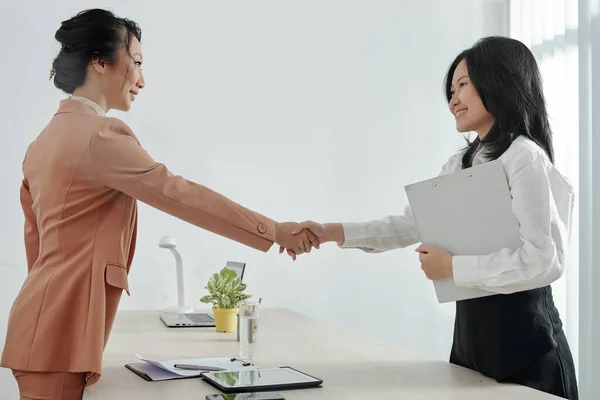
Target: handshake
298,238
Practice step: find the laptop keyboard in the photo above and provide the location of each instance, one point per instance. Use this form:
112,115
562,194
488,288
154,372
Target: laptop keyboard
199,318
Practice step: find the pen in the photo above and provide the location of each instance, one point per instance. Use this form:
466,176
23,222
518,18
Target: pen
198,367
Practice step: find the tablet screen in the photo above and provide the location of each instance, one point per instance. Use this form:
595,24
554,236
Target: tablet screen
260,377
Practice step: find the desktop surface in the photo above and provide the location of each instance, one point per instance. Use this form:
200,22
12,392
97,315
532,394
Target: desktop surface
352,367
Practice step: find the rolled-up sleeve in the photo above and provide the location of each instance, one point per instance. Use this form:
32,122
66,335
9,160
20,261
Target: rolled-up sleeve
391,232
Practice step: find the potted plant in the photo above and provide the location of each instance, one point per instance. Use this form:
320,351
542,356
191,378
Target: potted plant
226,291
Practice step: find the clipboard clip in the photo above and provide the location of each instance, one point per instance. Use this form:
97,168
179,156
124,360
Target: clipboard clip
244,363
469,176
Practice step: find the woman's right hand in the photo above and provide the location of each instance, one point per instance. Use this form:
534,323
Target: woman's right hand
295,244
317,229
323,232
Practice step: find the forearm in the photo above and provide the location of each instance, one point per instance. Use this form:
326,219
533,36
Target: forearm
508,271
334,232
201,206
389,233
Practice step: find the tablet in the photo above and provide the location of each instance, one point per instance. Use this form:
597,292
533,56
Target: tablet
262,379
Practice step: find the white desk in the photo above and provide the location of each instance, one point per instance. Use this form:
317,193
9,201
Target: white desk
351,366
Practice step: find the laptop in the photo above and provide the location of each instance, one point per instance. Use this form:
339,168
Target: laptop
203,320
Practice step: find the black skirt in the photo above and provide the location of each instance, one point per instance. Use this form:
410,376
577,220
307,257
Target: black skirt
515,338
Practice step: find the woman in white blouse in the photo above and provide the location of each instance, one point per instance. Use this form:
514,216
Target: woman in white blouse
494,89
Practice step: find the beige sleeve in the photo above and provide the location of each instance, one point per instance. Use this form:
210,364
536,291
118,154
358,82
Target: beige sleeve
122,164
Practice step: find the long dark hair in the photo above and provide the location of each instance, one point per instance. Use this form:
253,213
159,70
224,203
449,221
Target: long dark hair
506,76
90,35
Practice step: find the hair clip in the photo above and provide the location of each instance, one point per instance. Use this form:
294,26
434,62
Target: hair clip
52,73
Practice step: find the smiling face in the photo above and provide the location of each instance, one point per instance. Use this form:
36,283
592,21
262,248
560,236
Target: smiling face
124,79
466,105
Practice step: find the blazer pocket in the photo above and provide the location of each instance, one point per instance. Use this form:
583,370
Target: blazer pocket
116,275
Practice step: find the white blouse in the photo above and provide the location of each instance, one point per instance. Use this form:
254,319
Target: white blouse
543,202
90,103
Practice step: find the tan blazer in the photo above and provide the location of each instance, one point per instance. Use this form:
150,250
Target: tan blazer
82,177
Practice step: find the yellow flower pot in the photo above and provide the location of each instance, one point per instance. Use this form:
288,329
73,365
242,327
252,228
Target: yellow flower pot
225,319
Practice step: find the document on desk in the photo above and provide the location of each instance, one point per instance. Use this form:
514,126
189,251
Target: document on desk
165,370
468,212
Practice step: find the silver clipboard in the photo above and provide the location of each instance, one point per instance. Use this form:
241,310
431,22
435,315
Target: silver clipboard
468,212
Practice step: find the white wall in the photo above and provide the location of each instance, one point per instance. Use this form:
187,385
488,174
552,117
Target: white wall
317,109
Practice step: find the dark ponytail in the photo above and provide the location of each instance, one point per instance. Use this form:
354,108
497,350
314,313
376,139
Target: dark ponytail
90,35
506,76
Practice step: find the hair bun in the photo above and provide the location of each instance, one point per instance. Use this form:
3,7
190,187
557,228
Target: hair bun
66,37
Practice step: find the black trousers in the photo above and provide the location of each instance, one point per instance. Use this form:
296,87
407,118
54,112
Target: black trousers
554,373
516,338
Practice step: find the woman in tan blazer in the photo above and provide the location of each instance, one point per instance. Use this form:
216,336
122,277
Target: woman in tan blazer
82,178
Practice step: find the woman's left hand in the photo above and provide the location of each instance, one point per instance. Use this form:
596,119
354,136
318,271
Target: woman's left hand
435,262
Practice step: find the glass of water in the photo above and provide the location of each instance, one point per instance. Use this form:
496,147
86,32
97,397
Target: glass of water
248,331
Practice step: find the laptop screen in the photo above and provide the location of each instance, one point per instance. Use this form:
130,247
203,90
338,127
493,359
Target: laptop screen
237,267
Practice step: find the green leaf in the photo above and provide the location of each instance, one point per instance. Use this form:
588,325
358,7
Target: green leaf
206,299
228,274
225,301
236,282
244,297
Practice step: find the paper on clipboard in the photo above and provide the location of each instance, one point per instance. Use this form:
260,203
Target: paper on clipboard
169,365
468,212
165,370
